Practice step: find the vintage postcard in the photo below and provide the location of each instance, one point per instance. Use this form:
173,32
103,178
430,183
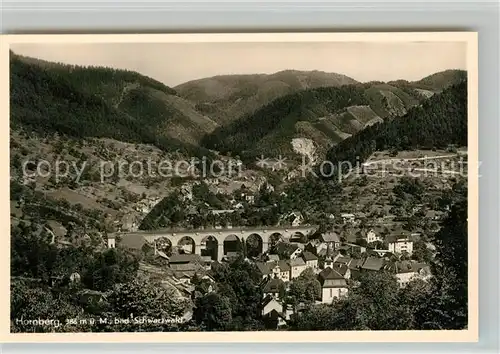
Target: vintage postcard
294,187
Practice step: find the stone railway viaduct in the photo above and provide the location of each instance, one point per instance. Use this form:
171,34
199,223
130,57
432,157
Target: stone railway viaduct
199,238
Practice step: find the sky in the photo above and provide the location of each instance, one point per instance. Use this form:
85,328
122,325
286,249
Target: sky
176,63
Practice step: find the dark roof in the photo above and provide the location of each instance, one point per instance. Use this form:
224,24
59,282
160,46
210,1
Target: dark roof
185,258
284,265
308,256
273,286
344,260
297,262
331,236
274,315
284,247
355,263
373,263
327,252
264,268
330,273
267,299
341,268
408,267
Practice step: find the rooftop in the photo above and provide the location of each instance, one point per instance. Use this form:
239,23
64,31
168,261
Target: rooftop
340,268
297,262
373,263
308,256
185,258
264,268
273,286
331,236
329,274
284,265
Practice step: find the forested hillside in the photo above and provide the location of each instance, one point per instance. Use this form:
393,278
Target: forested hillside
326,115
102,102
437,123
228,97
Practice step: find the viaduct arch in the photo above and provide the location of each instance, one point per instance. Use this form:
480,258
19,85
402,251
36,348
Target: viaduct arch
215,237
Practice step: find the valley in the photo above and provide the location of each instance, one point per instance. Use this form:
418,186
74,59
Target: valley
194,196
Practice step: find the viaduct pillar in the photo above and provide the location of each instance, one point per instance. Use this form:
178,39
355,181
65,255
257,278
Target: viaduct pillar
220,251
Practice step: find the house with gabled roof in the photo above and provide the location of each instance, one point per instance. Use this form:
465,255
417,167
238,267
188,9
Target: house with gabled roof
373,236
264,269
406,271
400,245
274,287
373,264
297,266
331,238
273,313
310,259
342,269
284,270
333,285
288,250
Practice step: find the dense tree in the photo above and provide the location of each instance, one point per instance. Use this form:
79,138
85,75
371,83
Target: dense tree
305,288
438,122
80,102
238,282
213,312
448,306
145,305
374,305
33,301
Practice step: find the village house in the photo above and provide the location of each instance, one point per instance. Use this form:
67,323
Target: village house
289,250
272,312
295,218
372,236
343,259
354,247
328,253
331,239
284,270
333,285
406,271
297,266
186,264
264,269
274,287
280,270
310,259
296,252
373,264
355,268
342,269
401,245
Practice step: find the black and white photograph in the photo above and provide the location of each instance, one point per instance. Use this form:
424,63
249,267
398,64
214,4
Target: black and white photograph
242,185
